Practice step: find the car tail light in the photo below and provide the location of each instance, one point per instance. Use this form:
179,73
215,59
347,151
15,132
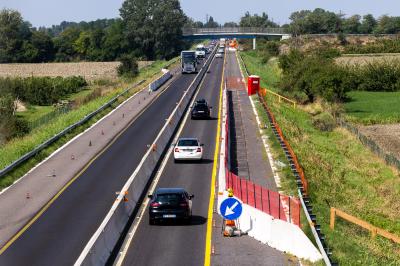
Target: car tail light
176,149
198,149
155,204
184,204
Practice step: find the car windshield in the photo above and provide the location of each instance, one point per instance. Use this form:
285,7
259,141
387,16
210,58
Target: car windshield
200,106
170,197
188,142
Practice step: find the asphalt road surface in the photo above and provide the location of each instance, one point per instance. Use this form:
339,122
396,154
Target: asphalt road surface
59,235
179,244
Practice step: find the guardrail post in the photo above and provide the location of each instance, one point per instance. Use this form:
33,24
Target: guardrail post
333,216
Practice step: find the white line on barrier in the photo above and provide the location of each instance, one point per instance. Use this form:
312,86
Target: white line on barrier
120,197
133,230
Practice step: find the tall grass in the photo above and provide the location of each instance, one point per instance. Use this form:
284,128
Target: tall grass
14,149
342,173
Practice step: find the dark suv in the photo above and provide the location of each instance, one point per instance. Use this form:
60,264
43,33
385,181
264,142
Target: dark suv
201,110
170,204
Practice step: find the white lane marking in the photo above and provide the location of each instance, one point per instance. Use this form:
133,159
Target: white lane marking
136,224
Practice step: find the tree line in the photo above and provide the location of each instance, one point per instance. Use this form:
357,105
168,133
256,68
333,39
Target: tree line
146,29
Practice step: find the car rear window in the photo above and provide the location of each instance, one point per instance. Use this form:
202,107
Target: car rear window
200,106
170,197
188,142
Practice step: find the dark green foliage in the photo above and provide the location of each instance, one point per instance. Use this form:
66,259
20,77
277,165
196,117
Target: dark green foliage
324,122
41,90
255,20
313,75
128,67
153,28
316,75
379,76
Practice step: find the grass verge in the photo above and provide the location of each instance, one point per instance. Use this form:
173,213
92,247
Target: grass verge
342,173
14,149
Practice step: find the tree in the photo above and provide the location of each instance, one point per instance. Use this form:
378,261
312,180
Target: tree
314,22
255,20
352,24
388,25
368,24
12,33
153,28
211,23
231,24
44,46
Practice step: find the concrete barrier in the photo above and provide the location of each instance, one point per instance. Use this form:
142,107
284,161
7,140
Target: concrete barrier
97,251
155,85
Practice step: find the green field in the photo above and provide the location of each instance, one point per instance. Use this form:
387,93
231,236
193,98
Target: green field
342,173
373,107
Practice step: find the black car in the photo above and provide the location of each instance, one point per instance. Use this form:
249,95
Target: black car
170,204
201,110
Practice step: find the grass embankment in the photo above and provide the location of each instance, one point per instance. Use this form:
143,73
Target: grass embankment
14,149
373,107
342,173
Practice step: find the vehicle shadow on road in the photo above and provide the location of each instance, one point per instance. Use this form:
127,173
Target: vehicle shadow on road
204,161
196,220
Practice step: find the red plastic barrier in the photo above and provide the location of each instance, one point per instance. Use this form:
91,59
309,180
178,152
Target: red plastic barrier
251,194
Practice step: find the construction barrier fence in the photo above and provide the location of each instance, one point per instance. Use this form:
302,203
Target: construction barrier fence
279,206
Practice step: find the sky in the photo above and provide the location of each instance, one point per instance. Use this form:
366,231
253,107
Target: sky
49,12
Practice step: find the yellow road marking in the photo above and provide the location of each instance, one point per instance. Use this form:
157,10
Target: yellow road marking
207,254
48,204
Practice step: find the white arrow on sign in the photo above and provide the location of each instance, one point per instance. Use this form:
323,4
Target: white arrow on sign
229,210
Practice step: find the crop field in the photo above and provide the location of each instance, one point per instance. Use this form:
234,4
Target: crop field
89,70
363,59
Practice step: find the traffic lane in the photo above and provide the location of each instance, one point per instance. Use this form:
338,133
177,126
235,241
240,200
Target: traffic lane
170,244
61,233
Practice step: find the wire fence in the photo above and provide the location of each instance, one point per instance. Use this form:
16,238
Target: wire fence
49,116
389,158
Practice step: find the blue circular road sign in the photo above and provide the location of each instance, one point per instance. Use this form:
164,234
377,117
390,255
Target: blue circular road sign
231,209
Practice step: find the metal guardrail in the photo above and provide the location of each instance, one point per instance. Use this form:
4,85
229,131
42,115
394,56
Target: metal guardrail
50,141
243,30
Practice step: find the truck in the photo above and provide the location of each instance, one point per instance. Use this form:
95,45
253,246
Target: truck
188,62
200,51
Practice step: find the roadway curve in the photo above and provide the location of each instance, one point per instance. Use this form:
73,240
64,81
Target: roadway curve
170,244
59,235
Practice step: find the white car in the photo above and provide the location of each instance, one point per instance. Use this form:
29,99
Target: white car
188,149
219,55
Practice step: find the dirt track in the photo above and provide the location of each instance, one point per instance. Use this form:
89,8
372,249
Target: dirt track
386,136
89,70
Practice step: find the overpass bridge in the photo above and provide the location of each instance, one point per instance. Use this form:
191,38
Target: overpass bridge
235,32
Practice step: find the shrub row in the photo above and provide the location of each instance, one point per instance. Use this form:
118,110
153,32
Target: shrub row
307,76
380,46
41,90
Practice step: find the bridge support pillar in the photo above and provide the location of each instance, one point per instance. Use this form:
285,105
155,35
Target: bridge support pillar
254,43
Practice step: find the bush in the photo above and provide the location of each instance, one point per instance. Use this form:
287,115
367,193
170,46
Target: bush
324,122
128,67
380,46
41,90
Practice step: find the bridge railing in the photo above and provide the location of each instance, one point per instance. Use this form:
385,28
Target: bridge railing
191,31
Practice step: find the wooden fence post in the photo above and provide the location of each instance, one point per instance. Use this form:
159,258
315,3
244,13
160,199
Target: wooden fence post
332,223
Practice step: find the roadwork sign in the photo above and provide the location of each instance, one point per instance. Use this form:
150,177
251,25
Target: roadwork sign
231,209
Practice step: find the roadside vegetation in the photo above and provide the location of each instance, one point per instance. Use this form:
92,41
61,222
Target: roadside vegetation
16,147
341,172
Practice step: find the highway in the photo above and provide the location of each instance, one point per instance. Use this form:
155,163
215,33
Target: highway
170,244
59,235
